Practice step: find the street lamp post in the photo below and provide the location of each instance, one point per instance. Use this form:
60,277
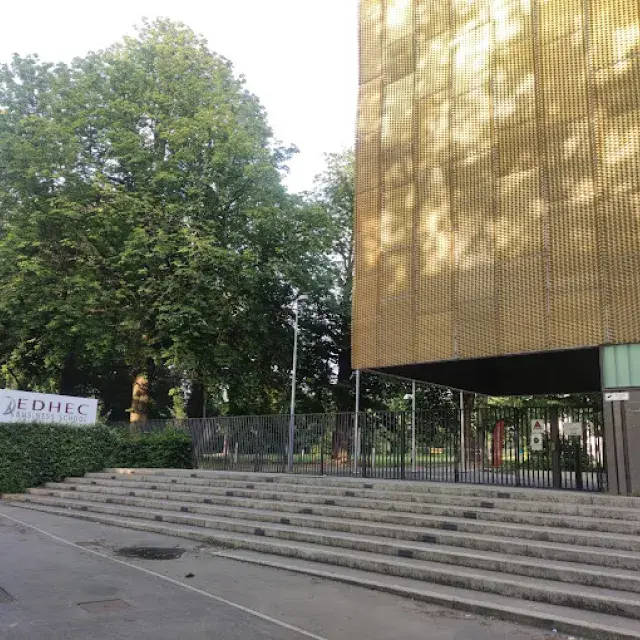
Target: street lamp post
292,409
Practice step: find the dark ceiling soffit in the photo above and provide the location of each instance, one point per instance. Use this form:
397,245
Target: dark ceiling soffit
570,371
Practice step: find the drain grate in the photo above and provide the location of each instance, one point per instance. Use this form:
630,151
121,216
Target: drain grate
152,553
104,606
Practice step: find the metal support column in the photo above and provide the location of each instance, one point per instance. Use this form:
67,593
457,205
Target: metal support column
413,428
356,432
556,467
463,443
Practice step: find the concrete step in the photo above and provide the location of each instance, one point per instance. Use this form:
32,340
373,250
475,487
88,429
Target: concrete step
614,579
487,513
619,542
562,619
590,598
401,486
579,551
379,493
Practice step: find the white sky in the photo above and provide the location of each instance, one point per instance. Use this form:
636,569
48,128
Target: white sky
299,56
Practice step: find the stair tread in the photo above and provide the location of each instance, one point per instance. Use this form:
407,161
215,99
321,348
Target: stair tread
348,502
283,489
73,496
405,496
542,609
570,566
255,494
578,589
548,495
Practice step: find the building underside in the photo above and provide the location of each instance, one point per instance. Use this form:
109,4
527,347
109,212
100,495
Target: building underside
574,371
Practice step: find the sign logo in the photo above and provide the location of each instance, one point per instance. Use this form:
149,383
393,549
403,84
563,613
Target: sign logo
10,406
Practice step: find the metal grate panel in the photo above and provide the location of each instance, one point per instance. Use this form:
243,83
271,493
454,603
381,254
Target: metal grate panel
498,178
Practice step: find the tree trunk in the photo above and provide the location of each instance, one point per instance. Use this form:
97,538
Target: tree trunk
343,389
341,439
69,377
195,404
115,391
343,432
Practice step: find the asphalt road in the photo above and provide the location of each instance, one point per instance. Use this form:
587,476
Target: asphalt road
67,581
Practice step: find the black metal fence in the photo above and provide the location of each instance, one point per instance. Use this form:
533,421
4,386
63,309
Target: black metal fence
545,447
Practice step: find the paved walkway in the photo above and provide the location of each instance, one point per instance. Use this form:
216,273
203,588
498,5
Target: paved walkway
68,582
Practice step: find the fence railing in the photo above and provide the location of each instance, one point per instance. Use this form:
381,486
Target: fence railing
546,447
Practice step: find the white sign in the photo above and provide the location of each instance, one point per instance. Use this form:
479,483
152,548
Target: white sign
616,396
24,406
536,442
538,426
572,429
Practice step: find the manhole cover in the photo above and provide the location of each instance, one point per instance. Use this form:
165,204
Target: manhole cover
103,606
151,553
4,596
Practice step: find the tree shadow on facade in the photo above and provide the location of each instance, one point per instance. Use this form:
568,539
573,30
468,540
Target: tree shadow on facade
506,181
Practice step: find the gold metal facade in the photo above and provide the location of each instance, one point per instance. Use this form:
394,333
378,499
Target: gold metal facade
498,178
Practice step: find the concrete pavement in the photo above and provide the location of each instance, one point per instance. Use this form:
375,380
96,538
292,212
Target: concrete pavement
86,591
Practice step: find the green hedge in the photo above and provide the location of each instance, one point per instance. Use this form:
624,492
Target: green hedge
32,454
169,449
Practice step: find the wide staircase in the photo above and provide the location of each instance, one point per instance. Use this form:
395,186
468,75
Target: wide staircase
560,560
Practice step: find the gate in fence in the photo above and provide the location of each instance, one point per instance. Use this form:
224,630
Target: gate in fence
546,447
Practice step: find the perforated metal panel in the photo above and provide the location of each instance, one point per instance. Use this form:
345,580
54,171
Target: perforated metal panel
498,178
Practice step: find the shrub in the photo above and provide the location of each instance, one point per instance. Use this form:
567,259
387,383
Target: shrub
160,450
32,454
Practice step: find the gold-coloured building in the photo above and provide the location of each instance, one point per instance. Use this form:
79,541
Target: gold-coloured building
498,180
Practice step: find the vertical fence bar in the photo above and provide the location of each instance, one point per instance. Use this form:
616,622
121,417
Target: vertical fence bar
365,439
453,447
517,418
403,444
548,453
555,449
463,444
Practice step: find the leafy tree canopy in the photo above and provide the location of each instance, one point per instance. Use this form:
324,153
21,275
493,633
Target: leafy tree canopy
144,226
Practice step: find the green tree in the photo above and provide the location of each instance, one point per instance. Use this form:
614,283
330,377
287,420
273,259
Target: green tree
335,192
144,227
